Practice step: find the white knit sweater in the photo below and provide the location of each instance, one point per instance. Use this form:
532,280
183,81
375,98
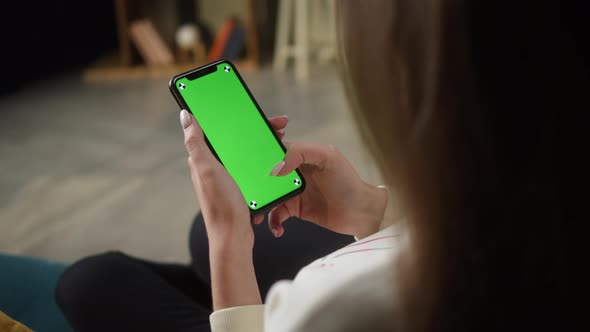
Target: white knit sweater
348,287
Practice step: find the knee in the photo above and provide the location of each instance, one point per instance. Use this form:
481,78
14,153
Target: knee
88,282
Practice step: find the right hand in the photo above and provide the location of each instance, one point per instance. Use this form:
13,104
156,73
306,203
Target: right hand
335,196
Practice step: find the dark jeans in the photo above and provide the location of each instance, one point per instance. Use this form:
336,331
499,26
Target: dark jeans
116,292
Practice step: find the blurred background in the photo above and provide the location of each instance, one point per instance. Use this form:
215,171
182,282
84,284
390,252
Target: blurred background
91,149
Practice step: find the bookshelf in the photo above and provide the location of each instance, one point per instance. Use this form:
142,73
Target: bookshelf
133,61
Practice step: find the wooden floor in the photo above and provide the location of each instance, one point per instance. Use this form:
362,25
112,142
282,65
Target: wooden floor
90,167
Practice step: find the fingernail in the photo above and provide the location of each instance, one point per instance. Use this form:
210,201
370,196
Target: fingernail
185,119
275,232
281,132
275,171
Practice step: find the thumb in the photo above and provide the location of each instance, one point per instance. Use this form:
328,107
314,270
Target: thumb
303,153
194,140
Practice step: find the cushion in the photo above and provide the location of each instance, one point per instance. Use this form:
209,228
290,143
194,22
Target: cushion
27,288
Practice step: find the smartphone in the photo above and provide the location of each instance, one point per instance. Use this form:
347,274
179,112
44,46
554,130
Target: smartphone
237,132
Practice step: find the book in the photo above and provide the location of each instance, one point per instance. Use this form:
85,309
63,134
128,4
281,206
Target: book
235,44
149,43
221,39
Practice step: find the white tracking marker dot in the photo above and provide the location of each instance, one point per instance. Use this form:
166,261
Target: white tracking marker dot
253,204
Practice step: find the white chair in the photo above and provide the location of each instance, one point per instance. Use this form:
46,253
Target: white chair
312,25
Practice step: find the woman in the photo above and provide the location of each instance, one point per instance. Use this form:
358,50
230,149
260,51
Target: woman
474,114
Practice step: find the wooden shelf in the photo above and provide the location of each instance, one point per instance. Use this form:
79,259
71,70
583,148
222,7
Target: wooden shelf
118,73
123,66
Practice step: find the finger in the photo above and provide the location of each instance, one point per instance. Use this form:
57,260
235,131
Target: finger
276,217
281,133
194,140
278,122
258,219
303,153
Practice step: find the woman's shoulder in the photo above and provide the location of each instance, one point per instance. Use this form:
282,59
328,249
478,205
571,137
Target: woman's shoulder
366,302
354,283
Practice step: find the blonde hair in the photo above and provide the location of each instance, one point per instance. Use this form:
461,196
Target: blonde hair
472,136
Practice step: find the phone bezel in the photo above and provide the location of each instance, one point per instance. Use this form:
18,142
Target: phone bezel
202,71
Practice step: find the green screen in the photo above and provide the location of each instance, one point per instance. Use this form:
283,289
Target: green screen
239,134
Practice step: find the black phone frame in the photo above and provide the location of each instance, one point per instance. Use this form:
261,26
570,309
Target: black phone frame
205,70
